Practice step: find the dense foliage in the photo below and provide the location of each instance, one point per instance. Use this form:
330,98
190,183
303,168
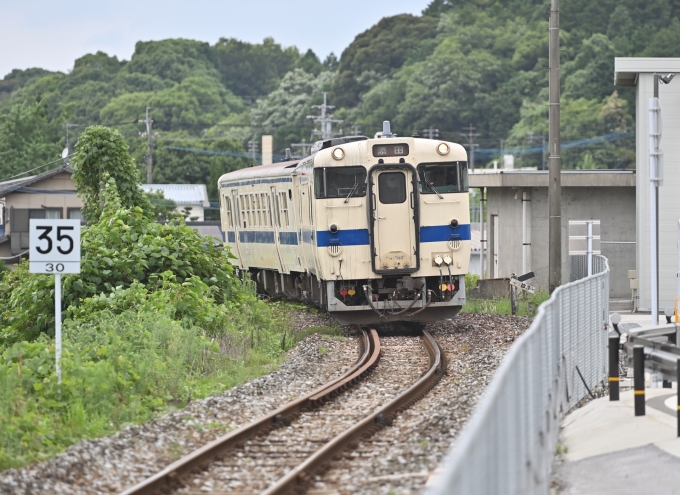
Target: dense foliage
482,63
155,318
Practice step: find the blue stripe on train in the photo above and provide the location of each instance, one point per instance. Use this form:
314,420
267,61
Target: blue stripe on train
438,233
256,181
351,237
256,236
288,238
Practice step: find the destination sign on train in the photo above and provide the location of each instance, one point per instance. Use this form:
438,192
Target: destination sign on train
380,150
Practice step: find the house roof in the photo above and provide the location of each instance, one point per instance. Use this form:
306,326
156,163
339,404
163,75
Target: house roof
19,184
182,194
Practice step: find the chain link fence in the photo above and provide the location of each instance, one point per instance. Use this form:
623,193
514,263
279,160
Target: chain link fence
508,445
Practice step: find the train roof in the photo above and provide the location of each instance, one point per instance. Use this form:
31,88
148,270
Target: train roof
273,170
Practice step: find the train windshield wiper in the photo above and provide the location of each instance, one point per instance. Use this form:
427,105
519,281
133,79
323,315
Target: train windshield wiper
354,188
432,187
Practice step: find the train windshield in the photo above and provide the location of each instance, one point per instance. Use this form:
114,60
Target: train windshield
338,182
442,178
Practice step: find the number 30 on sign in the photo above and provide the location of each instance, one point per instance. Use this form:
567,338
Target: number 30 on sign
54,246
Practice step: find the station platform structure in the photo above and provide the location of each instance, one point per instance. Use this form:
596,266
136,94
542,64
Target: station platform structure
606,449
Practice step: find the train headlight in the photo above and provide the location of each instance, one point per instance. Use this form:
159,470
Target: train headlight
333,228
443,149
338,153
454,223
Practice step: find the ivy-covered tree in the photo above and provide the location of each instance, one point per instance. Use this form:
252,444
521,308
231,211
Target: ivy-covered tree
102,150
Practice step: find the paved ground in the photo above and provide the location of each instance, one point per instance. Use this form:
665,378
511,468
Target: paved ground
611,451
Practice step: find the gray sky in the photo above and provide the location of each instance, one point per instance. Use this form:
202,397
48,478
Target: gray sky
51,35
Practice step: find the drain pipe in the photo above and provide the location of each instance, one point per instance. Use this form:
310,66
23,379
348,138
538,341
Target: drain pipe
526,231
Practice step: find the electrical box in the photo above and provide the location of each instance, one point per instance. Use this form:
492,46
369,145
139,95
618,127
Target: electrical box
632,273
634,283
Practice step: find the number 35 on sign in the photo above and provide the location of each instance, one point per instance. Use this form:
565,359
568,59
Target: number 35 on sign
54,246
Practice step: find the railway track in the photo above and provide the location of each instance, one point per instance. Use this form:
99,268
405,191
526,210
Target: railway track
279,452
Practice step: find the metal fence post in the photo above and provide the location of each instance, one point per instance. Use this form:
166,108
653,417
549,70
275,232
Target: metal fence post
614,368
639,379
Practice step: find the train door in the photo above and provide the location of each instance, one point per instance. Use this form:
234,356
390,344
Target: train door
394,237
238,225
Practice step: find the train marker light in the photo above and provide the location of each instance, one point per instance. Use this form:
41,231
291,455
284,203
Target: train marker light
338,153
351,292
443,149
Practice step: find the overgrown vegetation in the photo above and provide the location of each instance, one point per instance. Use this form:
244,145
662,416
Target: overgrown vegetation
156,318
527,305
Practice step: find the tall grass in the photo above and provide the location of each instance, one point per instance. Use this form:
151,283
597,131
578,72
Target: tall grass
119,370
527,305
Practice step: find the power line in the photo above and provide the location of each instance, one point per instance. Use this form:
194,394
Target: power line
149,136
471,135
430,133
36,168
326,120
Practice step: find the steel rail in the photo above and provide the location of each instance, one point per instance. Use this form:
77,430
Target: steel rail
171,474
301,474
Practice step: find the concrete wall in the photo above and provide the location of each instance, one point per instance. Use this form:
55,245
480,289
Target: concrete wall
669,199
613,206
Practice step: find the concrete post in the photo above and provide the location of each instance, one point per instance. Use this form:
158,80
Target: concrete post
554,160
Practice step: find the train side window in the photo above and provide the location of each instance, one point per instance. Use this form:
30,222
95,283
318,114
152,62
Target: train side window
230,221
309,200
244,210
283,206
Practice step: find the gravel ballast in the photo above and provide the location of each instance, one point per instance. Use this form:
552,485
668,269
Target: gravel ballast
397,459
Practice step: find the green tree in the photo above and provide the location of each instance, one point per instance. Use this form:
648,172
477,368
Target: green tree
382,49
254,70
102,150
27,138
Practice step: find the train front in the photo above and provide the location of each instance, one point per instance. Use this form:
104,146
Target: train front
397,244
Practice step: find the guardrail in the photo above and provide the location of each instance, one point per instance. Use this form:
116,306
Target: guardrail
508,445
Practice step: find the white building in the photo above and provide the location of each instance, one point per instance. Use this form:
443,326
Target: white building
194,196
639,72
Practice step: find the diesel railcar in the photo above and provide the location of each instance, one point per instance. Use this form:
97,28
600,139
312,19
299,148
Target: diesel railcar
371,230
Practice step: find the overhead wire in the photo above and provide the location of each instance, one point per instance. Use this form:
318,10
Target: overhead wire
37,168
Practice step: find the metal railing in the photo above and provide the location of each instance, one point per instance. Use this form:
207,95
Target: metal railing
508,445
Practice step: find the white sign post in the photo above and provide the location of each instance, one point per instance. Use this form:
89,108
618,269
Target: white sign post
55,249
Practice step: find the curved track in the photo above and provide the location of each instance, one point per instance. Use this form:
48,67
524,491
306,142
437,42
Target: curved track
278,453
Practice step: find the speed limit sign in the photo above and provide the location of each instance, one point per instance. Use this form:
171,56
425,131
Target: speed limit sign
54,246
54,249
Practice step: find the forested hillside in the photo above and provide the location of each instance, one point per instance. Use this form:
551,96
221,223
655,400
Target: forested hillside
482,63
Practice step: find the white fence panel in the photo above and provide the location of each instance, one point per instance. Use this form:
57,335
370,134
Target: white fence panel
509,444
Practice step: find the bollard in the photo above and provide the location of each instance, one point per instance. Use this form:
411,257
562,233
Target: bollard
614,368
639,379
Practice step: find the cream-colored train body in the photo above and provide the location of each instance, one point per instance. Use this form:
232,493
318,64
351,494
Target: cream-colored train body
372,230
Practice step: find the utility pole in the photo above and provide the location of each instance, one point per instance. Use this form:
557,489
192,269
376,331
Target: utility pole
431,133
554,160
532,139
326,120
252,150
149,136
304,146
356,129
469,133
68,126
